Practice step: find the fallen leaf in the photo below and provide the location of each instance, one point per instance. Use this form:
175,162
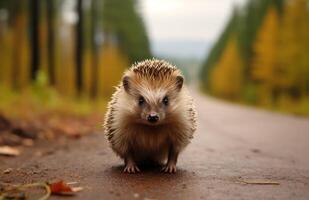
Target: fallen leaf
9,151
62,188
7,171
259,182
59,187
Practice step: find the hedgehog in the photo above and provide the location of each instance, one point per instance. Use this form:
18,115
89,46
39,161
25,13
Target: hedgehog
151,116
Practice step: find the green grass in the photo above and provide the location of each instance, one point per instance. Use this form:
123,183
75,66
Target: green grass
37,99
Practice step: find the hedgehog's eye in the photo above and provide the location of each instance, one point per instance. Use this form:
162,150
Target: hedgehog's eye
165,100
141,101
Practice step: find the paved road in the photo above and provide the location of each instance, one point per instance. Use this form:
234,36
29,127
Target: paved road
233,144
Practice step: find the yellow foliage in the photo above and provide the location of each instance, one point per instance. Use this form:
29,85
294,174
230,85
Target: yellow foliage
294,44
87,71
265,66
25,61
112,63
227,75
265,62
65,61
21,52
6,57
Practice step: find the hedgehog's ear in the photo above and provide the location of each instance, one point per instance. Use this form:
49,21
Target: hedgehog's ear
179,82
125,83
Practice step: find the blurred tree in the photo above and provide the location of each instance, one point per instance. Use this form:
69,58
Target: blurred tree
20,46
96,35
112,64
6,42
43,37
92,29
249,24
51,12
244,23
218,49
35,39
265,66
89,23
47,36
79,47
227,75
120,17
294,45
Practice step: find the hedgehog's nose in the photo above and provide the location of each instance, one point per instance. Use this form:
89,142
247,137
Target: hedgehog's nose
153,118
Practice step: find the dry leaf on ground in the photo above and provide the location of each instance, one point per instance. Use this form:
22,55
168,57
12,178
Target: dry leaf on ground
7,171
18,191
62,188
9,151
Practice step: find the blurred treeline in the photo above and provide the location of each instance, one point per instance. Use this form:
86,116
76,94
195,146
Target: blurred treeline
77,47
261,57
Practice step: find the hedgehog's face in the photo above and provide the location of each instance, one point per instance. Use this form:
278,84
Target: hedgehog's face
153,102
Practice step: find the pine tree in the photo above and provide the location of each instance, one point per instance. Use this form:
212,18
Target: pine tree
21,47
217,50
265,65
120,17
227,75
111,66
51,25
294,46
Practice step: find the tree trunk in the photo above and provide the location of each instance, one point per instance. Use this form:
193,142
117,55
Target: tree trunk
79,47
51,40
94,77
35,56
17,50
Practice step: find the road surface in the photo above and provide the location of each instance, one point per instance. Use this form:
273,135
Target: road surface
233,145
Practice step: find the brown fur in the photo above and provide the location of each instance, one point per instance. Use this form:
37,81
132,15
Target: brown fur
124,127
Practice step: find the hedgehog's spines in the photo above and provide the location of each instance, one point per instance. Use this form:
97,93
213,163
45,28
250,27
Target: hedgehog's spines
154,69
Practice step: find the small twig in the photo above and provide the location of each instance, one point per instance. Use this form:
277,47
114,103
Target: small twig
43,185
32,185
258,182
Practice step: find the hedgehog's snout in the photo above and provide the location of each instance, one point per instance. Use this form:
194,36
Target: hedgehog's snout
153,117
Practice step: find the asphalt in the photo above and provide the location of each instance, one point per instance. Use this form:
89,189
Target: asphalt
237,153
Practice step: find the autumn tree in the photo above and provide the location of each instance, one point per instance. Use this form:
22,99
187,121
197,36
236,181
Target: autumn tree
113,61
51,26
121,18
35,40
294,46
227,75
265,66
217,50
245,23
21,46
79,46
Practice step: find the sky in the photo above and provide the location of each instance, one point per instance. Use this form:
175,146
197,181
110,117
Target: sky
185,28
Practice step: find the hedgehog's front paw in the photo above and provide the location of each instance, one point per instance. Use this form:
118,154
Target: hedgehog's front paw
169,168
131,168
